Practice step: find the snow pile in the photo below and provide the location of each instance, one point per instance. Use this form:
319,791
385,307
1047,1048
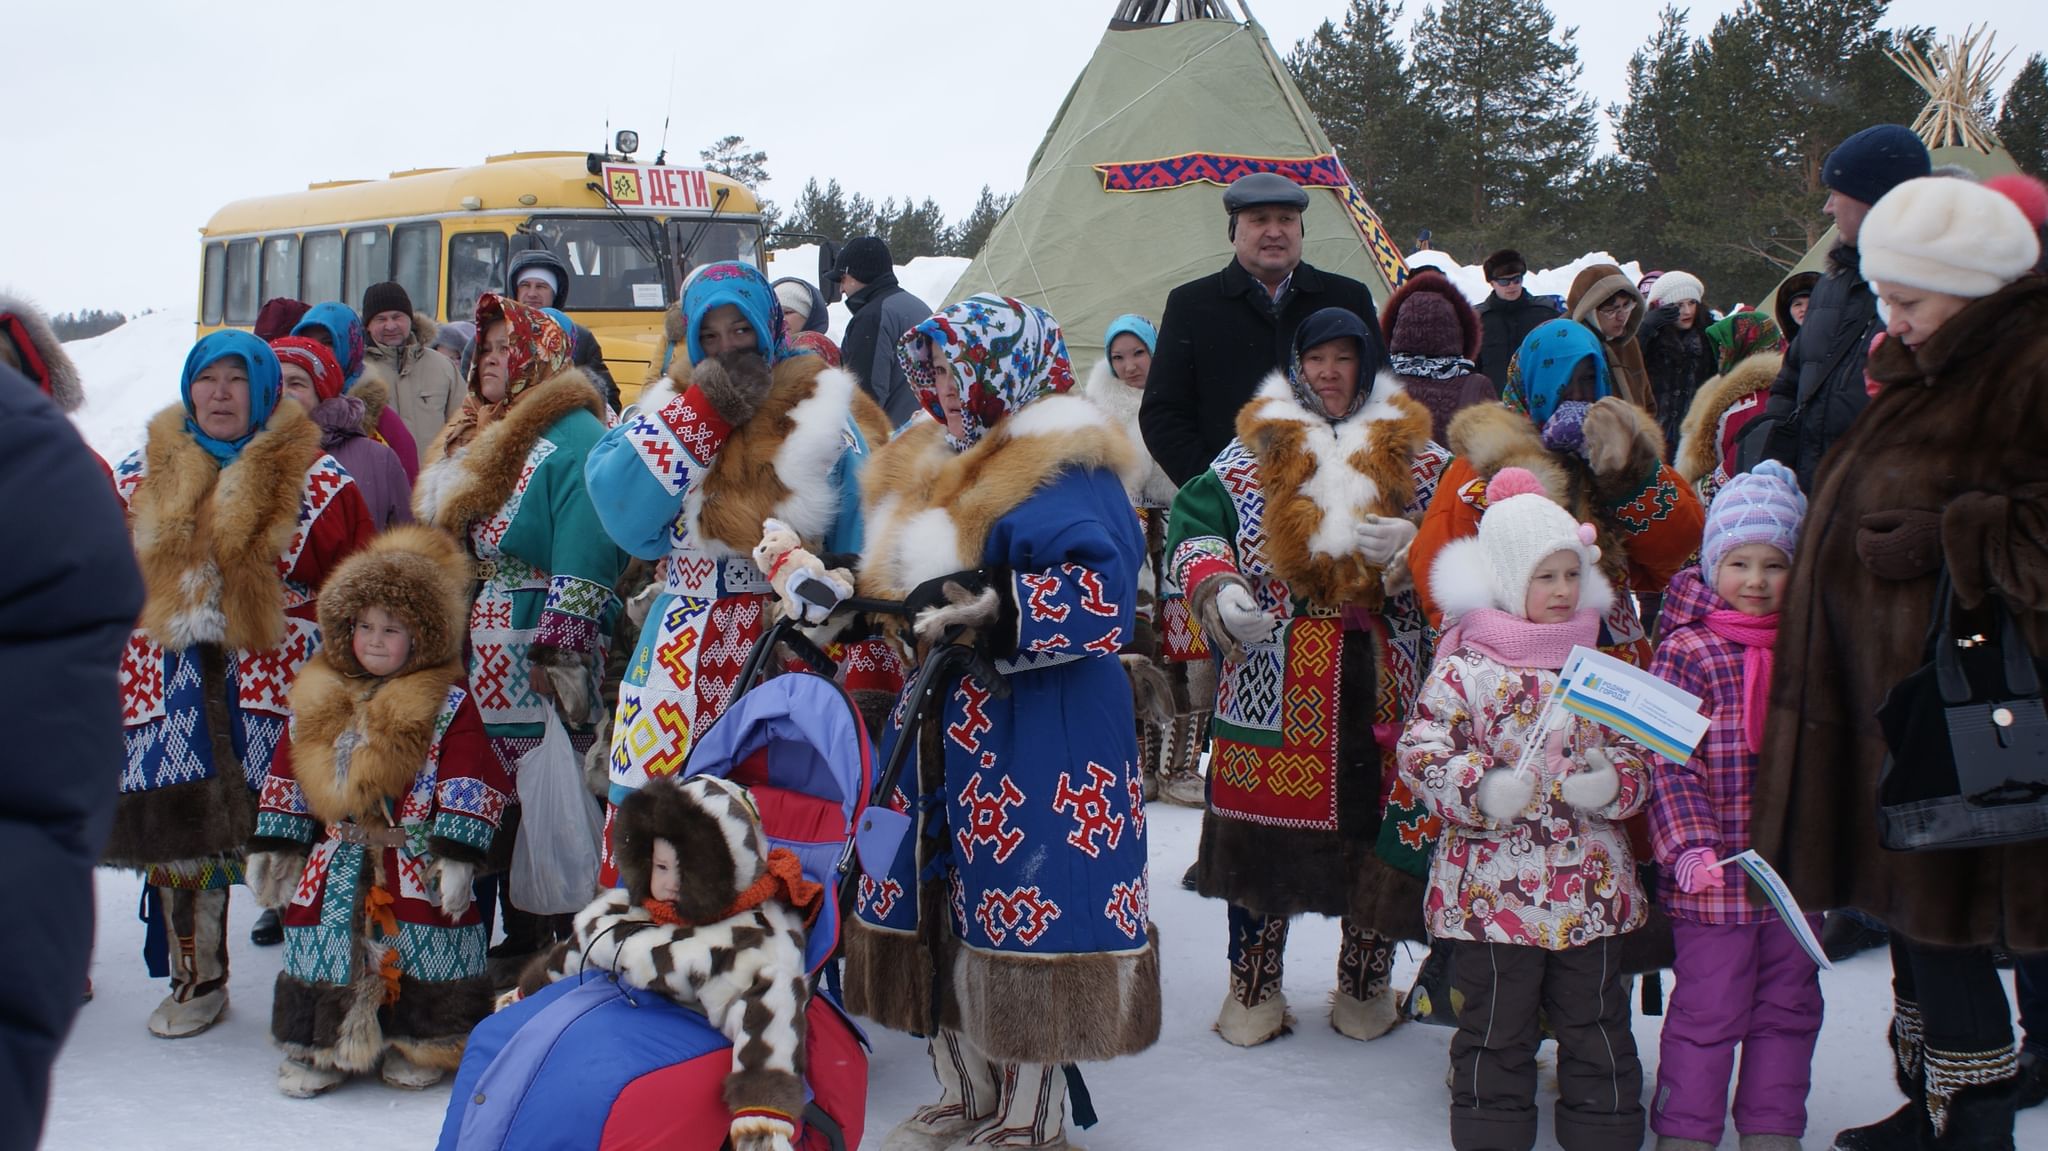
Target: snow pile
118,1086
130,374
929,278
1471,279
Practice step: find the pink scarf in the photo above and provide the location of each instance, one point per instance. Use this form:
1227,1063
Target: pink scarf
1508,638
1756,634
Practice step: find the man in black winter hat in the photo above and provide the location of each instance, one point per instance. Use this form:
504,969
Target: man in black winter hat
882,311
1508,314
1222,334
1819,392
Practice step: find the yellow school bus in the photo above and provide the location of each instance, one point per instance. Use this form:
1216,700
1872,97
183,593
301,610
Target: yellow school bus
628,232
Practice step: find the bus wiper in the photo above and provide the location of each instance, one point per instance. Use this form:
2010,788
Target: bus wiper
703,226
624,220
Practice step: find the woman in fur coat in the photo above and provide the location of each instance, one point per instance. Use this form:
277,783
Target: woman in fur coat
506,479
1285,546
380,806
1019,910
238,518
1595,453
744,432
1943,469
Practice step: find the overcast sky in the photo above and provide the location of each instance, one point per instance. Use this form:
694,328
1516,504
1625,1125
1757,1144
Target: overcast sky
129,123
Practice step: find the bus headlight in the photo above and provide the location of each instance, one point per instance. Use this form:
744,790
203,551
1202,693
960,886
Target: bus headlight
628,142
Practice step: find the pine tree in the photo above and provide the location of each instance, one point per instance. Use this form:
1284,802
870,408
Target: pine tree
2023,122
916,230
729,157
1501,85
970,234
820,212
1356,81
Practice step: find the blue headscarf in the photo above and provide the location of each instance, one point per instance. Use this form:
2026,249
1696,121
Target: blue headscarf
744,287
1132,324
266,384
343,330
1543,367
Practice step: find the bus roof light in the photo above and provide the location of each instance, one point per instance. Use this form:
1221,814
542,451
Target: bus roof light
473,203
627,142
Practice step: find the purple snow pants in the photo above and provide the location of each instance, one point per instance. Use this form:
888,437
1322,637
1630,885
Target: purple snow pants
1750,985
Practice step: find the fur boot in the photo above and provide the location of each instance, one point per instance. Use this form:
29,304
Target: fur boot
198,922
298,1079
401,1072
1242,1026
1363,1019
969,1090
1031,1114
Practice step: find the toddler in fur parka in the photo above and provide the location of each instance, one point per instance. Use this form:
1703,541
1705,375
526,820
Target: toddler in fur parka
1532,879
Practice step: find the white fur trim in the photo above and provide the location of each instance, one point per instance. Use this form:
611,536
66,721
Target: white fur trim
807,454
435,482
1596,594
1340,491
1053,416
1461,579
928,546
1149,485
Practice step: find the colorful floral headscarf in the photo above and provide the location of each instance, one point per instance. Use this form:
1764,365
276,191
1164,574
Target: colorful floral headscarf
266,384
744,287
1741,335
816,343
343,330
314,358
1004,354
540,352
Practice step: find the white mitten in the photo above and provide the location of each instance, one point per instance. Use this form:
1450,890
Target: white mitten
1594,785
452,878
273,876
1381,538
1242,616
1504,793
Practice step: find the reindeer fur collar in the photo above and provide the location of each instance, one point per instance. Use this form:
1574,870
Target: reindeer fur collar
929,509
1321,480
395,718
456,491
208,537
374,389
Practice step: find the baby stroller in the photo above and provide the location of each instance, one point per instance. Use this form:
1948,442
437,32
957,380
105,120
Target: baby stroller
592,1063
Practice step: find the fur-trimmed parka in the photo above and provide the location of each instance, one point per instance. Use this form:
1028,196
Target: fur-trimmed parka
1033,937
379,808
1150,487
1720,411
1297,780
232,558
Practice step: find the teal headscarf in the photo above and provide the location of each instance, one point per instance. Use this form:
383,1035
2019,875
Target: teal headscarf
744,287
1543,367
266,384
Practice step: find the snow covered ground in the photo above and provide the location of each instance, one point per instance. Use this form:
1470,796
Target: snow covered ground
119,1087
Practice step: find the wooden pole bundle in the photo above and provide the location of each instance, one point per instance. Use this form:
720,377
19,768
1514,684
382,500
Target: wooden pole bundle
1957,75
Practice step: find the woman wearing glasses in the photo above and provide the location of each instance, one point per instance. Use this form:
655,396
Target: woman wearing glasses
1604,299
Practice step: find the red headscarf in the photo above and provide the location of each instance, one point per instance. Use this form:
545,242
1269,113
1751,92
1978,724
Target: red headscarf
316,359
540,352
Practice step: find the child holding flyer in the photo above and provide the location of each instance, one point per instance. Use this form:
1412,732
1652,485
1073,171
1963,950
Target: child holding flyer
1742,976
1532,879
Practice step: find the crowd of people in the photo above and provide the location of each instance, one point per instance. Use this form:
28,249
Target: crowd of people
1341,549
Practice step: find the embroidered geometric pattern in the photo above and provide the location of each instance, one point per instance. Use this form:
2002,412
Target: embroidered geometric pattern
142,680
464,830
1126,908
582,597
1092,809
1248,692
211,874
570,633
324,480
489,533
1026,911
735,623
438,954
1295,783
658,449
700,430
263,679
283,795
988,819
279,825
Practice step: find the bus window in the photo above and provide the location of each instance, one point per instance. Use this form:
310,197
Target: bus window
281,267
416,259
476,264
613,263
320,268
368,262
214,285
695,243
242,299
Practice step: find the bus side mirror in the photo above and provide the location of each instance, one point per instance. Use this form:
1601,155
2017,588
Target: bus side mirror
828,259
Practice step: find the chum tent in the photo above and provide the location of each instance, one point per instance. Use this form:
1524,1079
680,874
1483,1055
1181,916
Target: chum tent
1124,199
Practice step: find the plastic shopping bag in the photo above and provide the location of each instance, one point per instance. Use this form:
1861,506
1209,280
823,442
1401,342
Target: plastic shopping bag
555,858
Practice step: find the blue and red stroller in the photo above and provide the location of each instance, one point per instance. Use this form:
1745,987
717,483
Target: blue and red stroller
593,1064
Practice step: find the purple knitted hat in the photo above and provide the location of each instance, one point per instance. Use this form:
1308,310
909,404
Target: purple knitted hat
1763,506
1426,326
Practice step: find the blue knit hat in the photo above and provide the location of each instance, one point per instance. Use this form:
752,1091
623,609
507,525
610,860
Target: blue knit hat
1763,506
1131,324
1874,161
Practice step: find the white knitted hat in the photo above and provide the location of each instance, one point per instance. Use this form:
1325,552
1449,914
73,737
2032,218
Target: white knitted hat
1677,288
1522,527
1945,235
794,297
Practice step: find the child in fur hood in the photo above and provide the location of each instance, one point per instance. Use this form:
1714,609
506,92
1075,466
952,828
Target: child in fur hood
1532,879
713,919
379,806
1742,977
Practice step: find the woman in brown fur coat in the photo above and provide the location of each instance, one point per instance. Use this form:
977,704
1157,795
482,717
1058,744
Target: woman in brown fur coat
1944,468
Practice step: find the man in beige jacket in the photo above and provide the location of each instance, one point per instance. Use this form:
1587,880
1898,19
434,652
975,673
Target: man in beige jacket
425,386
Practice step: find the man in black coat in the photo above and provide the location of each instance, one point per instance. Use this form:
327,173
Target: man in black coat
69,596
1507,315
1223,334
1819,392
882,311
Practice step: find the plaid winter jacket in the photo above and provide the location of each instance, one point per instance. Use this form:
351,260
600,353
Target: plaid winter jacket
1705,801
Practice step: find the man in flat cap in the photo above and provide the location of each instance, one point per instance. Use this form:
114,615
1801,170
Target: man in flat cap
1224,333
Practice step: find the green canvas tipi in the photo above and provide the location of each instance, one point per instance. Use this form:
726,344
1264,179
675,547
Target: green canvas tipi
1124,199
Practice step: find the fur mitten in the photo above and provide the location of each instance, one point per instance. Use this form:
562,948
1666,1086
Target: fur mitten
1151,691
452,878
735,383
274,876
966,610
1504,793
1621,439
1593,786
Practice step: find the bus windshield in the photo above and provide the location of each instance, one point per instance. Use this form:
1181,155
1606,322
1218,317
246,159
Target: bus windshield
610,268
695,243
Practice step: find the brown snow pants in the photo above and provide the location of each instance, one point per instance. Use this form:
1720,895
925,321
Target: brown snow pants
1493,1055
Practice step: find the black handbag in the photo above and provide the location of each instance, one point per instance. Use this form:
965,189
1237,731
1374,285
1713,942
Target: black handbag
1967,737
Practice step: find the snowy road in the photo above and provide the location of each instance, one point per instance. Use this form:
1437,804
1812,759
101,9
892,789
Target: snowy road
117,1087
